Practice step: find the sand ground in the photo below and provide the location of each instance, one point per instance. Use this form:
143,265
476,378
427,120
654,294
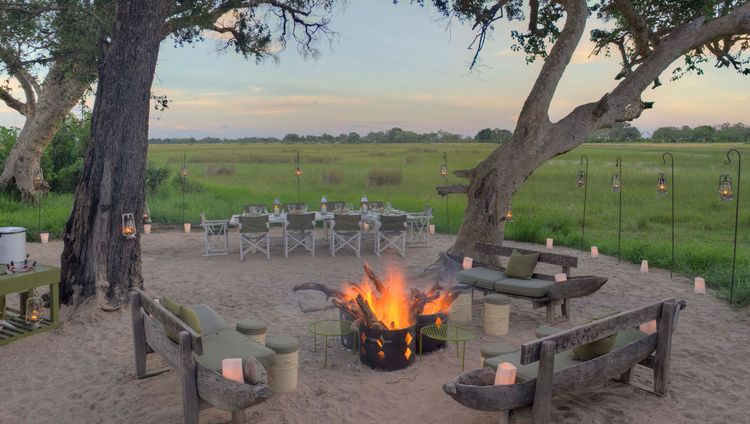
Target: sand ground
84,372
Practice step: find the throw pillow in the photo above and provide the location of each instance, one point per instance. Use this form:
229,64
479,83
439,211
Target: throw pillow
521,266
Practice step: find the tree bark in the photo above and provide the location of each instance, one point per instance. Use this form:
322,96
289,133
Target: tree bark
97,259
57,96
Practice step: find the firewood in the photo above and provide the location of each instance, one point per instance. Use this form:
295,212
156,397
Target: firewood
434,289
379,286
371,321
418,305
329,292
349,307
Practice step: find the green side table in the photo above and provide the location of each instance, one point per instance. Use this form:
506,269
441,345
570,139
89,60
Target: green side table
330,328
24,283
447,333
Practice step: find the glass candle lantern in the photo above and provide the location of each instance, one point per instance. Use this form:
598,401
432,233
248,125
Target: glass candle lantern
616,183
128,226
276,206
509,214
443,170
726,192
33,309
662,187
581,179
323,204
364,204
184,171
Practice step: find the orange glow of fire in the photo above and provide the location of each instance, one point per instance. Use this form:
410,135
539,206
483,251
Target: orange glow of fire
440,305
438,322
392,307
407,353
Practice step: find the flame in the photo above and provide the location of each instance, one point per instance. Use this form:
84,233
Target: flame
441,304
438,322
381,355
391,307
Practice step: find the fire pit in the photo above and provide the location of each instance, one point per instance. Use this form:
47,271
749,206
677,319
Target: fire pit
428,344
389,316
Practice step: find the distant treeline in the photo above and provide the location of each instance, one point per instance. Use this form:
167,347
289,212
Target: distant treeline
620,132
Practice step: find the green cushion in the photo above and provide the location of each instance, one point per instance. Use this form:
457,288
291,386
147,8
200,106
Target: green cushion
497,299
594,349
490,350
544,331
211,322
189,317
232,344
529,288
480,277
562,360
252,327
174,308
521,266
282,344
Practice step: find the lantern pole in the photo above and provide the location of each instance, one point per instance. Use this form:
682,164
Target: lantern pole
183,174
618,164
664,162
736,217
298,172
444,171
585,195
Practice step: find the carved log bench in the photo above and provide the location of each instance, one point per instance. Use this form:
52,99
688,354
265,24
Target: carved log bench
553,375
541,289
201,387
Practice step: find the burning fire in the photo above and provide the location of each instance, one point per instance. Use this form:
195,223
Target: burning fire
390,307
391,300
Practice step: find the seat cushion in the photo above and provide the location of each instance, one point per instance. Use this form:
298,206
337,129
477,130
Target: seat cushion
252,327
528,372
189,317
479,277
211,322
521,266
282,344
232,344
490,350
529,288
594,349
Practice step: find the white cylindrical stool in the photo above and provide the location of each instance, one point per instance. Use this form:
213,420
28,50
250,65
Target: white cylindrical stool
461,307
496,314
282,377
253,329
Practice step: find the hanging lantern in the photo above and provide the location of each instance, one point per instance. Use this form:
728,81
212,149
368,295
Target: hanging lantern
128,226
581,179
725,187
616,183
184,171
297,168
509,214
38,183
662,187
33,309
443,170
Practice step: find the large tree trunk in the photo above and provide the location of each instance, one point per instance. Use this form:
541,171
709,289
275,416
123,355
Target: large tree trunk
97,259
59,93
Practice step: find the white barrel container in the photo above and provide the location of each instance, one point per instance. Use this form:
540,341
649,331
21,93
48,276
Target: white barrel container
12,244
496,314
461,307
283,376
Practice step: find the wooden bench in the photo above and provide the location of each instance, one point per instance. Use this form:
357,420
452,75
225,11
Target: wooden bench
554,294
201,387
475,388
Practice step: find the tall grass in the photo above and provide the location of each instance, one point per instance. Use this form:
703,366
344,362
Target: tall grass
547,205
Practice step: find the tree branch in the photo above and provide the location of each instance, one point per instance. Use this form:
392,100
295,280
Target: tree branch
536,106
638,26
25,79
458,188
12,102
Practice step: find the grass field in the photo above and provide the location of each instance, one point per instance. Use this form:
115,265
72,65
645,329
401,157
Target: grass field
225,177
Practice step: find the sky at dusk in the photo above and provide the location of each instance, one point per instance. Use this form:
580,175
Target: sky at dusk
399,66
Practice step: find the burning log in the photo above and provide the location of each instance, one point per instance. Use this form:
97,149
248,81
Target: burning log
368,316
379,286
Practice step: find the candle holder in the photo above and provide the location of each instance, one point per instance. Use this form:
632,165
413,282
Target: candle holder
444,174
128,226
298,173
33,312
617,188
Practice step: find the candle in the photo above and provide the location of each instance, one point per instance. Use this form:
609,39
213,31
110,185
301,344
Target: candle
644,267
231,369
594,252
648,327
562,277
186,227
468,262
700,285
549,243
44,237
365,225
432,229
506,374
